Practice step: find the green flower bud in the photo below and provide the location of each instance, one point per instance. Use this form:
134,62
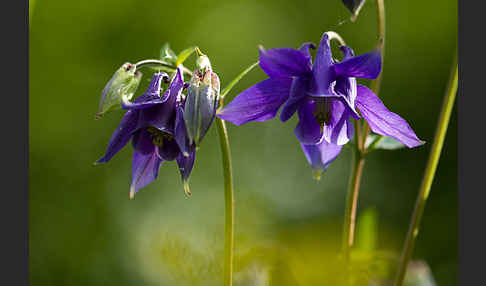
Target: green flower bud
201,104
202,61
123,83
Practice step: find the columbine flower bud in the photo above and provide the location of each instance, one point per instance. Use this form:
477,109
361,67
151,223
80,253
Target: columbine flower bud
123,83
202,99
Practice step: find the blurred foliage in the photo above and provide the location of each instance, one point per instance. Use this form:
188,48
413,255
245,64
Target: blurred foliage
85,231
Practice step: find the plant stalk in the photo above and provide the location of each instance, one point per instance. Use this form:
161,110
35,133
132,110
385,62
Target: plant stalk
229,219
352,203
361,134
429,174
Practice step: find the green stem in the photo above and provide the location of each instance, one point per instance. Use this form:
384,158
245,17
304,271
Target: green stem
160,63
429,174
352,203
229,220
380,45
360,152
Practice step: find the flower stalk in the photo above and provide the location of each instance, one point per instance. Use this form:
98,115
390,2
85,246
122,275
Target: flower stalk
429,174
352,203
229,220
361,133
160,63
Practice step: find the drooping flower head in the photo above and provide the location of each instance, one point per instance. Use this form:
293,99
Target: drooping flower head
156,127
325,96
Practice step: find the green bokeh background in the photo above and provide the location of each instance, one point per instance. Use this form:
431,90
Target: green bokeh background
84,230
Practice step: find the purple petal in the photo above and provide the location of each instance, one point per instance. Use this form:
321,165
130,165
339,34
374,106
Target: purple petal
142,141
322,74
364,66
321,155
308,130
305,49
339,130
347,52
169,150
142,102
175,86
382,121
258,103
145,169
180,132
185,167
298,91
122,135
150,97
162,116
284,62
346,87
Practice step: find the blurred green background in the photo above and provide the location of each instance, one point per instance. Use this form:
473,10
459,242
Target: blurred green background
84,230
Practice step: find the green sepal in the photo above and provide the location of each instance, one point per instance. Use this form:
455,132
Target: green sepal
124,82
201,104
184,55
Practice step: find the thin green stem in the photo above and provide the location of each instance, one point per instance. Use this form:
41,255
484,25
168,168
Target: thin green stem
380,41
361,133
352,203
380,45
228,88
229,201
160,63
429,174
229,220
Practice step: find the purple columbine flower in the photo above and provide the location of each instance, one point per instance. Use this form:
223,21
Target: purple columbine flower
155,124
325,96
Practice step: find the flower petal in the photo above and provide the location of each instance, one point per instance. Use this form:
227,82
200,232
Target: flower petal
298,91
122,135
142,141
162,116
305,48
284,62
382,121
347,52
180,132
150,97
308,130
169,150
363,66
145,169
322,74
321,155
346,87
175,86
185,164
258,103
339,130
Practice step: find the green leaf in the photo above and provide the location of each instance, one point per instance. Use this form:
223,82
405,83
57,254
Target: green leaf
167,54
184,55
382,142
228,88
